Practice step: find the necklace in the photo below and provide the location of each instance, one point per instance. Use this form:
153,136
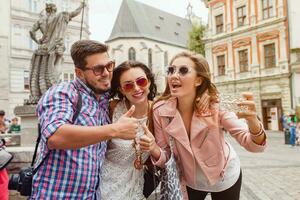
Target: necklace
138,162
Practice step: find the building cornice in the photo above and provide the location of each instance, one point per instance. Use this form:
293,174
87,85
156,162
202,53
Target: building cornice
241,31
247,80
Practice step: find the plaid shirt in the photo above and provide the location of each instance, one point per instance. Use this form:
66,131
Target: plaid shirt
69,174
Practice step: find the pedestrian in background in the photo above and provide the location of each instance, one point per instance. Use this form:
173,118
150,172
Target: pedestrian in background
14,127
3,125
298,134
292,133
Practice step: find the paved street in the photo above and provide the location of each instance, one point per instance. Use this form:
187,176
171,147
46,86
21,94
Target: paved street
272,175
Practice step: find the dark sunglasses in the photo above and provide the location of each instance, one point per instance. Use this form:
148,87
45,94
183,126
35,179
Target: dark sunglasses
99,69
182,70
129,86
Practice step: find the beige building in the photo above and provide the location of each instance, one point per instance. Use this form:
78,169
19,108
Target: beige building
149,35
16,46
294,30
247,46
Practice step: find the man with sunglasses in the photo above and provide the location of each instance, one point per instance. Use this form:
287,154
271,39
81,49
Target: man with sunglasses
72,152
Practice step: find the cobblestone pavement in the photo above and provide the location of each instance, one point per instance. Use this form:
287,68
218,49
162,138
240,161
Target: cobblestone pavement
272,175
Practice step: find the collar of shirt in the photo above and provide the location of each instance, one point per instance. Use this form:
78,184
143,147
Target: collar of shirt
82,86
103,100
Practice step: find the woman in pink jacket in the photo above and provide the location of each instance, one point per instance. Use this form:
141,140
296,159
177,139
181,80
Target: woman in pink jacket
207,163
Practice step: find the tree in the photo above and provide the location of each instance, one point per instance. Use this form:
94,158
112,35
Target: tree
196,35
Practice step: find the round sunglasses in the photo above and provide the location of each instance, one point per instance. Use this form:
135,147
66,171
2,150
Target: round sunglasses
182,70
99,69
128,86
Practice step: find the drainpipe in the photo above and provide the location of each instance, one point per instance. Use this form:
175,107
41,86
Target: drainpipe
291,74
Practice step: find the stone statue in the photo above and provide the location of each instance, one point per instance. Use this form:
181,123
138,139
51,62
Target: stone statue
47,59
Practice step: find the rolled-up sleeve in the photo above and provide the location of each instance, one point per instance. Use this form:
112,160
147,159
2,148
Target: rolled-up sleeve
240,131
55,109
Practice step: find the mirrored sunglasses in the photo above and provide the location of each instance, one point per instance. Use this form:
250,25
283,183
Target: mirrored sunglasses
182,70
129,86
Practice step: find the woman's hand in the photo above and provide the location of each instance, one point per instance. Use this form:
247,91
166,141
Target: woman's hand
250,110
203,105
148,144
255,126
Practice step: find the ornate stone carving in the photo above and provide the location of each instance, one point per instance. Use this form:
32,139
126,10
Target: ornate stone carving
28,110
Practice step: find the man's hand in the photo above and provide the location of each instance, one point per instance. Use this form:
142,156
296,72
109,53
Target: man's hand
126,126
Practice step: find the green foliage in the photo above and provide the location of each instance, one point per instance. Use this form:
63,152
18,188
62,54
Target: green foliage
196,35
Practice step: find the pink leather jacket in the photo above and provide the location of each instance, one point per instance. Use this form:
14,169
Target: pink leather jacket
206,146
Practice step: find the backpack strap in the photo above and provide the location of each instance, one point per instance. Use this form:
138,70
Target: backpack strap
78,107
77,112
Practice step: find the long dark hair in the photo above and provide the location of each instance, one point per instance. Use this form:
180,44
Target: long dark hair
123,67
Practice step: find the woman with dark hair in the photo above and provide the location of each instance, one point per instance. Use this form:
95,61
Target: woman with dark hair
207,163
122,172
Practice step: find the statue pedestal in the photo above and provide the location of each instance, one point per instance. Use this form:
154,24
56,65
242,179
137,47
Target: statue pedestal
29,124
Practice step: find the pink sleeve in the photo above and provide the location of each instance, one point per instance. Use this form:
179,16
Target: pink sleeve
160,140
240,131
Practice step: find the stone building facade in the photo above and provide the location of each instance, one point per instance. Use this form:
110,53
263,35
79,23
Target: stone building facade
294,30
149,35
247,46
16,46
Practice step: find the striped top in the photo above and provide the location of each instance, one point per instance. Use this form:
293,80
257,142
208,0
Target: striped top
69,174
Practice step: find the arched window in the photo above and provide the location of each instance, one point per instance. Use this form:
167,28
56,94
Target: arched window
166,61
150,58
131,53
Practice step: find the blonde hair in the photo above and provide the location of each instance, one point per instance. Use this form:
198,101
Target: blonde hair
202,69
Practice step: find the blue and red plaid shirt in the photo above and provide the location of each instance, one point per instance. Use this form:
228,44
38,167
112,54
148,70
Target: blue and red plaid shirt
69,174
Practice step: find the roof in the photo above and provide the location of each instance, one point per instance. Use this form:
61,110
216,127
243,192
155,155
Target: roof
138,20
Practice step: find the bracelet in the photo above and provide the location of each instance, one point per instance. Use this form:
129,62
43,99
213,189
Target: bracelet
261,131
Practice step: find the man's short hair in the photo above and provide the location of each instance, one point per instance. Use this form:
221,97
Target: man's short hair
83,48
2,112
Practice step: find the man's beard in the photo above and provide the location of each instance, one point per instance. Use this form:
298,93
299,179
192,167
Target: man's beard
96,90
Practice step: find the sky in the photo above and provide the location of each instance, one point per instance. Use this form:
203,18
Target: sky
103,13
